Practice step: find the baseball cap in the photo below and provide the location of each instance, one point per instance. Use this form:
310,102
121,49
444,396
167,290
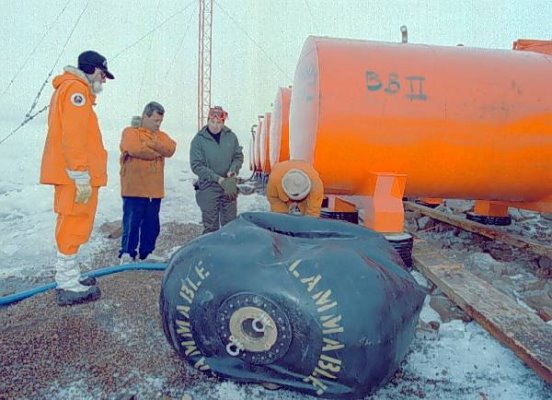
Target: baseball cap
90,60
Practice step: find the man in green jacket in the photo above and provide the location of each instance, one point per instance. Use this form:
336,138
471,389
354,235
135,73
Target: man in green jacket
216,158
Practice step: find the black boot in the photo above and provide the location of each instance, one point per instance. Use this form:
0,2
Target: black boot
88,281
69,298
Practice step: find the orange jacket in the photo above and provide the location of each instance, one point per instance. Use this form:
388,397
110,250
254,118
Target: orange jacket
74,141
143,162
278,199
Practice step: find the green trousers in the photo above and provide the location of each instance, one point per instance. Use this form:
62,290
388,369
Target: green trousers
216,209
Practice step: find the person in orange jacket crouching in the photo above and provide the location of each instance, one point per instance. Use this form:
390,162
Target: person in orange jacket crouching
294,187
75,162
143,151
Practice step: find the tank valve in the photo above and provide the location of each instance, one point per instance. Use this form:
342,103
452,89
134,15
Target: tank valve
404,32
254,328
234,347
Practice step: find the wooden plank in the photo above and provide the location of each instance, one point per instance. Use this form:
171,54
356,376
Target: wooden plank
523,332
484,230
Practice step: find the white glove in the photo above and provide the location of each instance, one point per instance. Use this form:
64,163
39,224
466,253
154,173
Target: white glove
82,183
84,192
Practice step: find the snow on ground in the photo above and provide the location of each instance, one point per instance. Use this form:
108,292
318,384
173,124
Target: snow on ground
463,362
26,218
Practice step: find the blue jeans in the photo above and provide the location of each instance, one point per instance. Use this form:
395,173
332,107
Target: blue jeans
140,225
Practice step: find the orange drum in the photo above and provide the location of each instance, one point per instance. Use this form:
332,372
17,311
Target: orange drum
454,122
279,127
264,144
257,146
252,153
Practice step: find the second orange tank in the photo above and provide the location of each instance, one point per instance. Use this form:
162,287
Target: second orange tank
264,144
279,127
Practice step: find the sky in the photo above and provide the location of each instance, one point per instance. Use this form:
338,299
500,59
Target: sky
152,47
256,45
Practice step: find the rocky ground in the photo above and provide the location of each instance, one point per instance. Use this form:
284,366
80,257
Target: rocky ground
522,275
112,348
115,348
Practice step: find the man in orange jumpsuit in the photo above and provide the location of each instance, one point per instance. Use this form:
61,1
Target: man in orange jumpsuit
294,187
75,162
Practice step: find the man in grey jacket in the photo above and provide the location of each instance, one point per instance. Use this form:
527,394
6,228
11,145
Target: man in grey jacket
216,158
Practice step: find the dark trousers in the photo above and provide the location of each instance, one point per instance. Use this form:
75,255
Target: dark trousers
140,225
216,209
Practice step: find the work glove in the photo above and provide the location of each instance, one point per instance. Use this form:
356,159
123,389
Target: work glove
246,189
230,187
82,183
294,209
84,192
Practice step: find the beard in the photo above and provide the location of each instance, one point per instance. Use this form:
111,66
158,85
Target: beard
97,87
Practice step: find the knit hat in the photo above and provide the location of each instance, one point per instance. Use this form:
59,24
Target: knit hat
296,184
90,60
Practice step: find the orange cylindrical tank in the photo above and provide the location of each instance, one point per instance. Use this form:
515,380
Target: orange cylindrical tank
279,127
264,144
257,145
252,153
458,122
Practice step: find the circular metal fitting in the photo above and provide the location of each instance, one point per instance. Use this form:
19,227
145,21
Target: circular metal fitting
253,328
